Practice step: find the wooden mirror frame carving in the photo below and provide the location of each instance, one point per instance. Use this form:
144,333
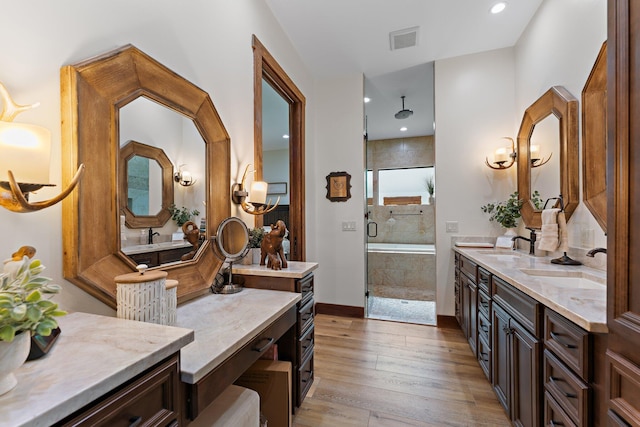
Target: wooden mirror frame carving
559,102
594,140
135,148
92,93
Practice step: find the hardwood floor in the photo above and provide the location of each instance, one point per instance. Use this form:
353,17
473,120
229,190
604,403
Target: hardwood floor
381,374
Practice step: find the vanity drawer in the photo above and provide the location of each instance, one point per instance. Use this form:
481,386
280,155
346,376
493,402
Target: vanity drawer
151,399
484,280
305,287
554,415
569,343
305,379
468,267
484,303
571,393
484,357
305,343
484,327
523,308
305,316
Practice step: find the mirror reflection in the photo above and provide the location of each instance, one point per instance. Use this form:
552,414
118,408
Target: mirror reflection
275,152
171,143
544,143
144,186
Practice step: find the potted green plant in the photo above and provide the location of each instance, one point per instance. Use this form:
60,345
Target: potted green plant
182,215
23,312
431,189
255,240
505,213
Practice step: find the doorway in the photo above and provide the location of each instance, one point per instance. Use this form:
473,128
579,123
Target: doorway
400,192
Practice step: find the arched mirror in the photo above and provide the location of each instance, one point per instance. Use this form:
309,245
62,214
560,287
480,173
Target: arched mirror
145,185
562,109
231,243
94,95
594,140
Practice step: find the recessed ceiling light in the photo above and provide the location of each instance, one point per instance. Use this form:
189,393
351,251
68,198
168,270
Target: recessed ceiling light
498,7
403,129
366,99
285,136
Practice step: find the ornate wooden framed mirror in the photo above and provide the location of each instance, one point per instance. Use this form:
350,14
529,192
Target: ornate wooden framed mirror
145,185
594,140
93,91
564,106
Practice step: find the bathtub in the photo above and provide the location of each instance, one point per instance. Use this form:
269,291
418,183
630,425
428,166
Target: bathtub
401,248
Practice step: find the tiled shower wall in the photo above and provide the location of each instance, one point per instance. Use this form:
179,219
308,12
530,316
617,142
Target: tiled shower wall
397,275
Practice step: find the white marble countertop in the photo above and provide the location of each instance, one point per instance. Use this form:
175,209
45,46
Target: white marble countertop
92,356
295,270
225,323
585,307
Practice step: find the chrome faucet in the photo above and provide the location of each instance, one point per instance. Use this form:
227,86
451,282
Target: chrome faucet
151,234
593,252
531,240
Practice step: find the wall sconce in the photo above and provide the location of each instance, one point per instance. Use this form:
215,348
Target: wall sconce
257,196
536,161
505,157
25,153
184,178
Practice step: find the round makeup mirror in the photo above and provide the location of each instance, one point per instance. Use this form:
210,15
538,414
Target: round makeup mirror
230,244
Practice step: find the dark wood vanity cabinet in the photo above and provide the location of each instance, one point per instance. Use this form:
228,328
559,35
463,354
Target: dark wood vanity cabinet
467,299
151,399
156,258
302,350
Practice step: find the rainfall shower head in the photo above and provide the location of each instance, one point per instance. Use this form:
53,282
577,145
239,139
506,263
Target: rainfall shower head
404,113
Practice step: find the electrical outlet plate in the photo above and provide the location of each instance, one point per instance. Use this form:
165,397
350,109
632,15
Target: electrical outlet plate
451,226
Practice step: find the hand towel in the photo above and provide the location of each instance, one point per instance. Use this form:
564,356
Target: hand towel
563,236
549,236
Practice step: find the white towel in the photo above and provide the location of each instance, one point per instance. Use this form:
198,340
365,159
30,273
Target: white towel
563,236
549,236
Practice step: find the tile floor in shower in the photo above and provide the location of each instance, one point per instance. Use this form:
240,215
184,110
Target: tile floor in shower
402,310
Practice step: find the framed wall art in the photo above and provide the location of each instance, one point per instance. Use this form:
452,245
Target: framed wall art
338,186
277,188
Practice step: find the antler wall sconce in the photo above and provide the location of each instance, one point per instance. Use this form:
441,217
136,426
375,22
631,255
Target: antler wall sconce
25,153
257,197
184,177
505,157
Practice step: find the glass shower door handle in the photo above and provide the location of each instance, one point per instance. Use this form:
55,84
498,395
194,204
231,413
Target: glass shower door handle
372,229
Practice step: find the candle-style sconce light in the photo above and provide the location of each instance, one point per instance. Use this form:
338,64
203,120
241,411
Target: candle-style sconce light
184,177
505,157
253,202
25,153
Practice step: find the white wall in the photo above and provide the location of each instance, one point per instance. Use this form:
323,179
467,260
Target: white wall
559,47
475,107
206,41
339,135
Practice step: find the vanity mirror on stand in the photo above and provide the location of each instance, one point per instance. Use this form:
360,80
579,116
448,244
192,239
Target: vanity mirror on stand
230,244
554,113
93,93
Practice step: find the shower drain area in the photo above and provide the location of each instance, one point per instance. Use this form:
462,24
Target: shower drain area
402,310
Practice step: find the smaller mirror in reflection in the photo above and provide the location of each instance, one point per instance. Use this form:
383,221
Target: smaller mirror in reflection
144,186
545,178
231,243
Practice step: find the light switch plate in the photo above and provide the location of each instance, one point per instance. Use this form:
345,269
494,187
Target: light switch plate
348,226
451,226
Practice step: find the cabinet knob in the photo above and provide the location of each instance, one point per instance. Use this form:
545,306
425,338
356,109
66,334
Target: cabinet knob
135,421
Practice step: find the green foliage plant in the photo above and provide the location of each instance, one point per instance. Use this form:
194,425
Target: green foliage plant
537,200
22,307
505,213
182,215
430,185
255,237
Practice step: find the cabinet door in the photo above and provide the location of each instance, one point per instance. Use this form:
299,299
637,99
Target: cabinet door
500,349
623,227
465,299
525,364
472,325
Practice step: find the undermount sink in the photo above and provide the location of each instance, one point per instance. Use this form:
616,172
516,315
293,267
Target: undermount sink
567,279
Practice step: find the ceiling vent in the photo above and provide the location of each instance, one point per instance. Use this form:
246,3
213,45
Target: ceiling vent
404,38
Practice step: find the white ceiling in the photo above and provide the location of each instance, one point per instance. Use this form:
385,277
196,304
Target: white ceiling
338,37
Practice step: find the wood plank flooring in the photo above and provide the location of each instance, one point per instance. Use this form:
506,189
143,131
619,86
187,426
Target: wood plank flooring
385,374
